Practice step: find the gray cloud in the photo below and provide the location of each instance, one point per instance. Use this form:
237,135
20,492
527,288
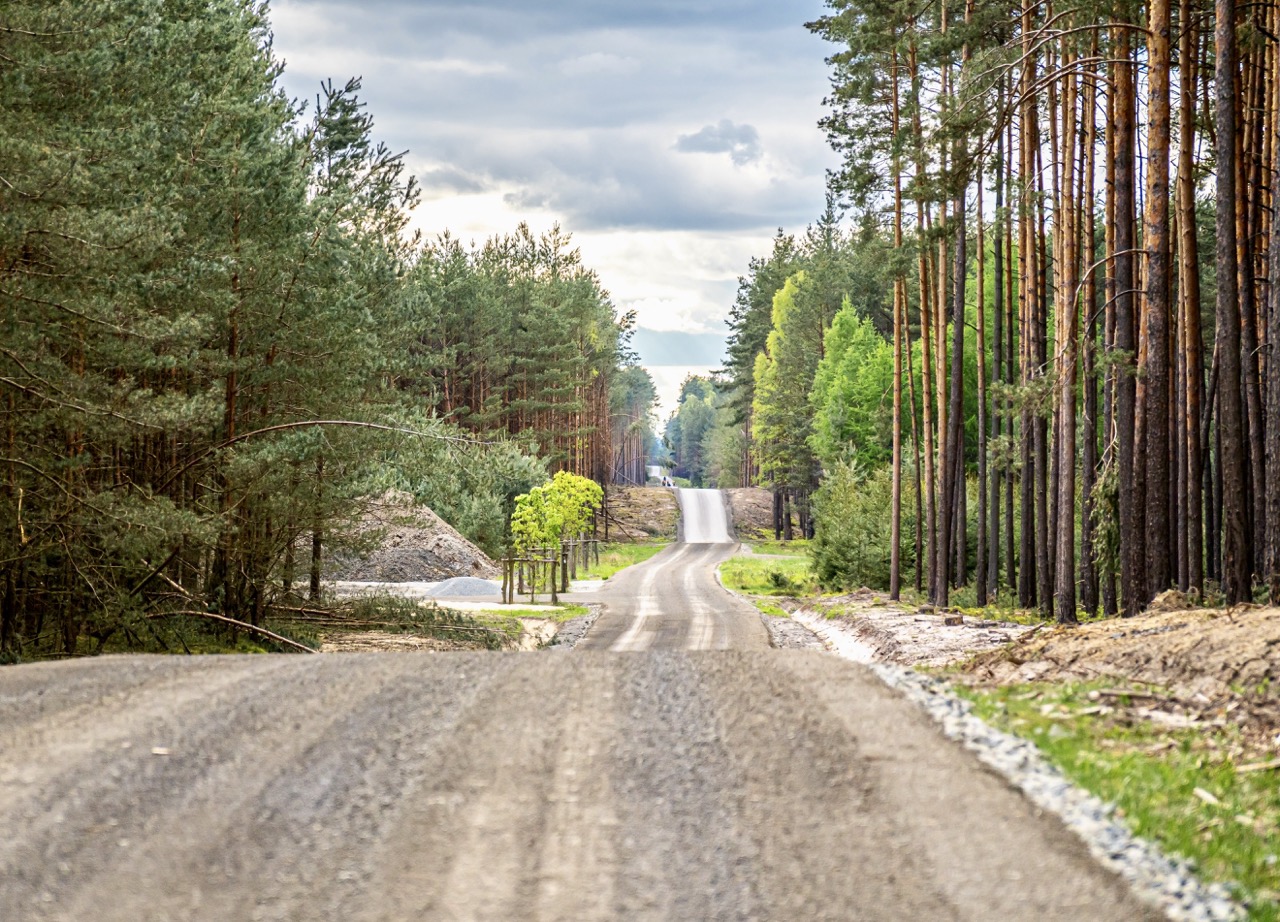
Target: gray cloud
448,179
740,142
569,106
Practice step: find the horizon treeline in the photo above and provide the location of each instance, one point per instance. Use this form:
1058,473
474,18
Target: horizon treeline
1072,209
218,336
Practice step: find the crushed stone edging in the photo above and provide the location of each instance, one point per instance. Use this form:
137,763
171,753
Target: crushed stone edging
571,632
1168,883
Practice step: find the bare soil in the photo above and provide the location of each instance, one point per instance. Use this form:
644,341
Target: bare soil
1174,666
411,543
1206,651
751,510
642,514
901,634
1212,667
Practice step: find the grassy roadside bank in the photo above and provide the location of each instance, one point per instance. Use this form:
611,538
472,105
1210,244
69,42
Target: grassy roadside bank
769,576
617,556
1200,791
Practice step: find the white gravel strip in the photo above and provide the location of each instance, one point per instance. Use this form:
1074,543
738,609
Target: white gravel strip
1169,883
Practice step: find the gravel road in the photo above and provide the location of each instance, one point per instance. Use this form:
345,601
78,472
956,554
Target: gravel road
736,785
743,784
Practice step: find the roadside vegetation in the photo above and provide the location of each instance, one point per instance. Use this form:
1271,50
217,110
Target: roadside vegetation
767,547
1201,792
768,577
558,613
616,556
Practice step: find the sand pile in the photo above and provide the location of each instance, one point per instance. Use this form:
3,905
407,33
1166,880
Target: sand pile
411,544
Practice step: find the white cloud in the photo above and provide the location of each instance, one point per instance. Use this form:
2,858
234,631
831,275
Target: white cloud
460,66
667,380
677,314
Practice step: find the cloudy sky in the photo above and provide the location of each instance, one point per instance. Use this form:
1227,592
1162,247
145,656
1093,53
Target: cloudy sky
671,138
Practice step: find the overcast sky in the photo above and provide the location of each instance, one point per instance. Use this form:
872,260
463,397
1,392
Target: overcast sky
671,138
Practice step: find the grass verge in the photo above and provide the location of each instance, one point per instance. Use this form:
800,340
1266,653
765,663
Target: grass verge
502,615
765,576
1187,789
795,548
615,557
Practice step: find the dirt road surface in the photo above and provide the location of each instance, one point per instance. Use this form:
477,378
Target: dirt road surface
743,784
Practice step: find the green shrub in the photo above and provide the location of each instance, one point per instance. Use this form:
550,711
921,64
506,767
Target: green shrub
851,544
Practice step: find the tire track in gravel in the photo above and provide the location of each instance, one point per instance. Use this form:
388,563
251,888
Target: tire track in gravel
513,812
204,813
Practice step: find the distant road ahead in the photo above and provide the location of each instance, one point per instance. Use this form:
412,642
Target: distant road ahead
703,517
673,602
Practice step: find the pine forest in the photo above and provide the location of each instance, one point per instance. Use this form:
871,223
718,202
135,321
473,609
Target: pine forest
1038,361
217,333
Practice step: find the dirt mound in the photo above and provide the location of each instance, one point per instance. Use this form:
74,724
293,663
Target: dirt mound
642,514
1205,651
412,543
751,510
1208,667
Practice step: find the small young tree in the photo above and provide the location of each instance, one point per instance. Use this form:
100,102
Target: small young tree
548,513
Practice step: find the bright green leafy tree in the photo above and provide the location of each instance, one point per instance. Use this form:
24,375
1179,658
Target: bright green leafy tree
554,511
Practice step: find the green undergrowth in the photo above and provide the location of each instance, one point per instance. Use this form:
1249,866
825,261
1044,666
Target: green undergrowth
397,615
766,576
619,556
798,547
1179,787
772,610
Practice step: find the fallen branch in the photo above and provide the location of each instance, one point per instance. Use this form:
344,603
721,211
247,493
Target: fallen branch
339,623
238,625
1258,767
1134,693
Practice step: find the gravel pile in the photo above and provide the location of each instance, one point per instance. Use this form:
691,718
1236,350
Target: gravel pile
465,587
1168,883
412,544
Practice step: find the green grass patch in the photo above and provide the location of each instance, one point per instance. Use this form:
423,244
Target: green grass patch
1180,788
797,548
562,613
764,576
615,557
772,610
